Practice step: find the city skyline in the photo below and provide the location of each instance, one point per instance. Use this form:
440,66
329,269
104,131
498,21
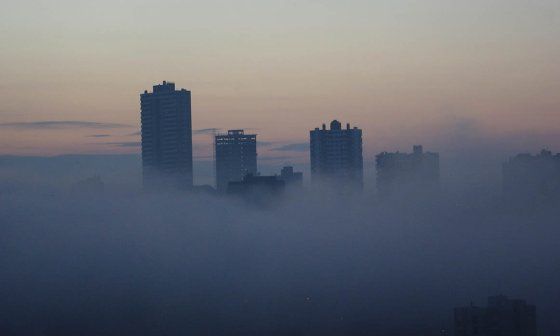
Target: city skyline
280,167
390,67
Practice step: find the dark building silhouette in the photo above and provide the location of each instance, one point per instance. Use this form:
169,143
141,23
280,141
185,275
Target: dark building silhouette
407,172
166,137
236,156
336,155
532,178
290,177
502,317
257,188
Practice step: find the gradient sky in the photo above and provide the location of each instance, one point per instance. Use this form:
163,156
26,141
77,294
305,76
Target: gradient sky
406,72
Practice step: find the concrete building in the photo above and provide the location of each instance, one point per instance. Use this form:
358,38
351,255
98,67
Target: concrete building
256,185
415,172
290,177
166,137
236,156
336,155
532,179
502,317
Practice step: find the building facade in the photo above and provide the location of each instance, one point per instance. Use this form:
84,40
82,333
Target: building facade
501,317
415,172
166,137
532,179
291,177
235,157
256,185
336,155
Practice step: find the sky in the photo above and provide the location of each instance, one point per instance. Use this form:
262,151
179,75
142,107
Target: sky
437,72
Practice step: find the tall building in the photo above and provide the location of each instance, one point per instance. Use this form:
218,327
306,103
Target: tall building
166,137
236,156
407,172
501,317
532,179
336,155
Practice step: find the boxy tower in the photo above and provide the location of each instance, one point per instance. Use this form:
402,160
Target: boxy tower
236,156
336,156
166,137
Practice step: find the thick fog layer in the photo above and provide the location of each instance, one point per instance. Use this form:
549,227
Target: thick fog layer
122,262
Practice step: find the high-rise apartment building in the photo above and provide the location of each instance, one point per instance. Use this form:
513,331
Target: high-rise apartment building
416,172
236,156
336,155
166,137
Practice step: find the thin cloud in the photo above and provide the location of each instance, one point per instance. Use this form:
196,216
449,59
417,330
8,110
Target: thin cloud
203,157
123,144
201,131
275,158
60,124
205,131
296,147
98,136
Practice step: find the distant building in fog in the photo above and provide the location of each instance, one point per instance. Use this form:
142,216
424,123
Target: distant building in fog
290,177
256,187
532,178
404,172
166,137
336,155
236,156
502,317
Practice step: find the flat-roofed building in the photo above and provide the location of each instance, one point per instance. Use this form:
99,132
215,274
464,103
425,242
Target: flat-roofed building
236,156
336,155
166,137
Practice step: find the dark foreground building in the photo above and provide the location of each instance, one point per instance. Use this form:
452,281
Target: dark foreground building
336,155
407,172
236,156
166,137
532,179
502,317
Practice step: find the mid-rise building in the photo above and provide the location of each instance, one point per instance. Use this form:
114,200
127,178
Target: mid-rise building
336,155
532,179
236,156
290,177
166,137
501,317
415,172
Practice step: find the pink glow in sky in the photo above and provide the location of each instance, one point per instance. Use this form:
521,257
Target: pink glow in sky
404,71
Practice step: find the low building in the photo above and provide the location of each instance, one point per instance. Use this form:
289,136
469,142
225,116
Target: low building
290,177
415,172
257,187
502,317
